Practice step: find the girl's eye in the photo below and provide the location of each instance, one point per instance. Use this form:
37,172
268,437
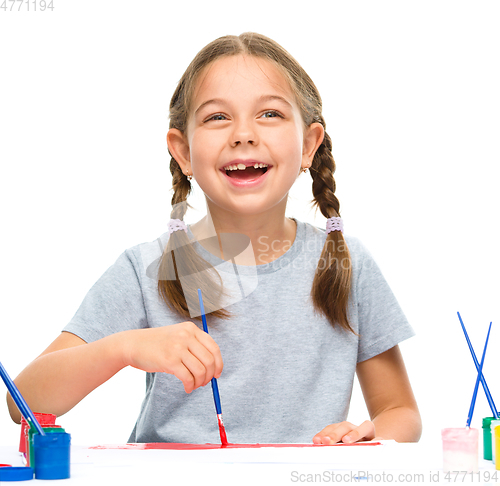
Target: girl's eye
217,117
272,114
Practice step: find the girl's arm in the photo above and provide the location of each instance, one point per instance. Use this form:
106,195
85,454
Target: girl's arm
69,369
389,398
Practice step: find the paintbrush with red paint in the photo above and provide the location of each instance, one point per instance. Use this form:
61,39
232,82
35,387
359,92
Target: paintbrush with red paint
215,388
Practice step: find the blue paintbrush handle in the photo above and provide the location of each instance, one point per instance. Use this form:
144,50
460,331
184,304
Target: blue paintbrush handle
215,388
478,379
483,379
20,401
202,310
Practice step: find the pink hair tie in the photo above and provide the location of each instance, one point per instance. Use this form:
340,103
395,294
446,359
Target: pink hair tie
334,224
176,225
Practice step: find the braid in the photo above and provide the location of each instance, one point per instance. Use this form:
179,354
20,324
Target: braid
332,281
180,260
323,187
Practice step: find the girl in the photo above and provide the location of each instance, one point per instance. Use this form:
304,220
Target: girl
294,310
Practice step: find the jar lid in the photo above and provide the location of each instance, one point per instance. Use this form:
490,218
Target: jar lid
487,422
16,473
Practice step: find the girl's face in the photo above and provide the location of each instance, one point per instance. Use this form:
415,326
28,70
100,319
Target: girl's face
245,140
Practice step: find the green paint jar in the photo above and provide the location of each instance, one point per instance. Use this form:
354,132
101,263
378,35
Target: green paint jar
487,438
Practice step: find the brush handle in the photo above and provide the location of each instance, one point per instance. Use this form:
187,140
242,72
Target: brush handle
202,310
215,388
20,401
493,408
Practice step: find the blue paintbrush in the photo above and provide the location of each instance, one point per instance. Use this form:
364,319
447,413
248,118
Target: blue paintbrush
20,401
215,388
478,379
483,379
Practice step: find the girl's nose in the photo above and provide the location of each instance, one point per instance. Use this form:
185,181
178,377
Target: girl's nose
244,133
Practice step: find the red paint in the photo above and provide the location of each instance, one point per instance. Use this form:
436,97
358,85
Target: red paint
222,431
190,447
5,465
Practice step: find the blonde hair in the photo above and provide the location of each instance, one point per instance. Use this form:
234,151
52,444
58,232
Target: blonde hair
332,280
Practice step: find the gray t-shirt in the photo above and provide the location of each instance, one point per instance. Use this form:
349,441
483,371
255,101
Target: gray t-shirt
288,372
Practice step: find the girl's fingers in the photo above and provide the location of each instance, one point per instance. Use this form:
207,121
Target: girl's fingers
212,347
365,431
185,376
333,433
197,370
182,350
345,432
205,357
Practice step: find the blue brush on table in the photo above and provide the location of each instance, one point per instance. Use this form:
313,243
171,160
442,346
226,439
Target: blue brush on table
478,379
476,363
20,402
215,388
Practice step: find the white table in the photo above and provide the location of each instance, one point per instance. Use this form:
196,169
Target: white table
389,463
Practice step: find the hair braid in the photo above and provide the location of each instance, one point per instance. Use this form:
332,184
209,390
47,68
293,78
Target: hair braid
323,187
332,281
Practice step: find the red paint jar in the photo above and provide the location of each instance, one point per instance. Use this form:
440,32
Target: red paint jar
43,419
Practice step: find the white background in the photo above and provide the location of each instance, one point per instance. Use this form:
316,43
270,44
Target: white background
411,100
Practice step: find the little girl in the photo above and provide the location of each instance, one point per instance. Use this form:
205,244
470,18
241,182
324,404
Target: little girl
293,311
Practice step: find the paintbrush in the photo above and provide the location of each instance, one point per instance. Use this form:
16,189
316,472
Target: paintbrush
215,388
476,363
20,401
478,379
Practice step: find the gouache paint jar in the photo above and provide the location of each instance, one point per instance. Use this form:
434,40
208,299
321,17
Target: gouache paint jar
493,424
460,449
31,433
52,455
487,439
497,446
43,419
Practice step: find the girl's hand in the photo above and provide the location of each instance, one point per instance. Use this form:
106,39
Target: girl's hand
182,350
345,432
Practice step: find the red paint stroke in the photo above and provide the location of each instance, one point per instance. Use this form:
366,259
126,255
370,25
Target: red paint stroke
191,447
222,431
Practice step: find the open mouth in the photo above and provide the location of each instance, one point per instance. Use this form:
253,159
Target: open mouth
246,173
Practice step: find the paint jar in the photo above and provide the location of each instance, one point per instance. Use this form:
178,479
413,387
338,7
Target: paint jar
493,424
487,438
52,455
43,419
460,449
31,433
497,445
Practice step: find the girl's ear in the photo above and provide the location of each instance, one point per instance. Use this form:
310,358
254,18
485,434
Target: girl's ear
313,138
179,149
